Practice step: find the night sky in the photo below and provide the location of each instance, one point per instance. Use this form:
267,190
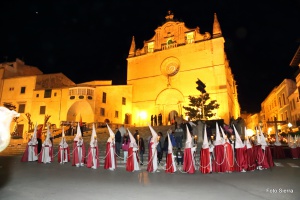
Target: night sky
90,40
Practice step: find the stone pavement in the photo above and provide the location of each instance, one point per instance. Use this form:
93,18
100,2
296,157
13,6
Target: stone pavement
34,181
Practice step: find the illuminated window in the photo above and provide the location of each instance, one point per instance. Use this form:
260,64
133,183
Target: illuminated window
116,114
151,47
47,93
42,110
190,38
123,101
23,89
102,111
21,108
104,97
283,98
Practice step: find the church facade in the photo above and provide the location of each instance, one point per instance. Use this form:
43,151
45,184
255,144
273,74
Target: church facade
163,73
160,77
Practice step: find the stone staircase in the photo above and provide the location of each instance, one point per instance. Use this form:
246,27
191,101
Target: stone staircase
17,146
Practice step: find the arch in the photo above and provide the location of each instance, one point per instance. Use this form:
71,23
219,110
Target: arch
83,109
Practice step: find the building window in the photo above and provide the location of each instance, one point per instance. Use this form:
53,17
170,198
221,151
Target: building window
283,98
42,110
279,99
47,93
123,101
23,89
55,94
151,47
104,97
116,114
11,89
21,108
37,95
102,111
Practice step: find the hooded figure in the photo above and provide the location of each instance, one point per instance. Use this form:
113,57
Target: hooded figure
219,161
110,157
228,153
132,163
78,149
292,143
249,154
170,162
205,157
189,150
46,154
240,157
93,152
64,150
31,151
268,161
152,152
258,152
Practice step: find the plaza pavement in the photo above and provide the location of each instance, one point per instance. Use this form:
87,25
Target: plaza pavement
34,181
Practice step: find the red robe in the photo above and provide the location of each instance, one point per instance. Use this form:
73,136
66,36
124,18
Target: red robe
25,154
295,152
67,149
205,166
75,154
268,154
132,155
250,159
241,159
219,161
260,156
150,158
108,161
90,160
170,168
188,161
229,158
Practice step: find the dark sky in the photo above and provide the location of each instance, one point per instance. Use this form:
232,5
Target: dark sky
90,40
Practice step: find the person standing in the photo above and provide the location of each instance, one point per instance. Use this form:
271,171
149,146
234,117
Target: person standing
125,147
123,132
218,164
152,155
39,137
136,135
118,140
155,120
93,153
188,159
110,157
78,149
205,157
31,151
152,119
178,133
132,163
229,154
64,150
46,155
170,163
141,150
159,147
159,119
240,149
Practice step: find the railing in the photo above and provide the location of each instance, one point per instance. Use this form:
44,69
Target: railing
168,46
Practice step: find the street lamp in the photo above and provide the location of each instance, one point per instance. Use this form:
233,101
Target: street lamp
290,126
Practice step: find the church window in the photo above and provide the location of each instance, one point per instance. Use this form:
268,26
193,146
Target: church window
104,97
21,108
23,89
42,110
190,37
47,93
151,47
116,114
102,111
123,101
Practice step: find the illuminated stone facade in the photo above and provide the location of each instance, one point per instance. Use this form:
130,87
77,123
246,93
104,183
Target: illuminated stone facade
163,73
160,77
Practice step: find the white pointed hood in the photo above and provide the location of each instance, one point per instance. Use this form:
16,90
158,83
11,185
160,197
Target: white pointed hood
154,135
189,140
93,135
62,141
111,134
132,139
48,133
262,138
247,141
218,140
223,135
205,144
170,146
78,134
238,141
34,133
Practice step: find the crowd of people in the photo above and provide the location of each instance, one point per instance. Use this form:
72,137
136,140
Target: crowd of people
222,155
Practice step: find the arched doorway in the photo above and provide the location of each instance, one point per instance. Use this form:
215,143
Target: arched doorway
80,109
169,101
172,117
